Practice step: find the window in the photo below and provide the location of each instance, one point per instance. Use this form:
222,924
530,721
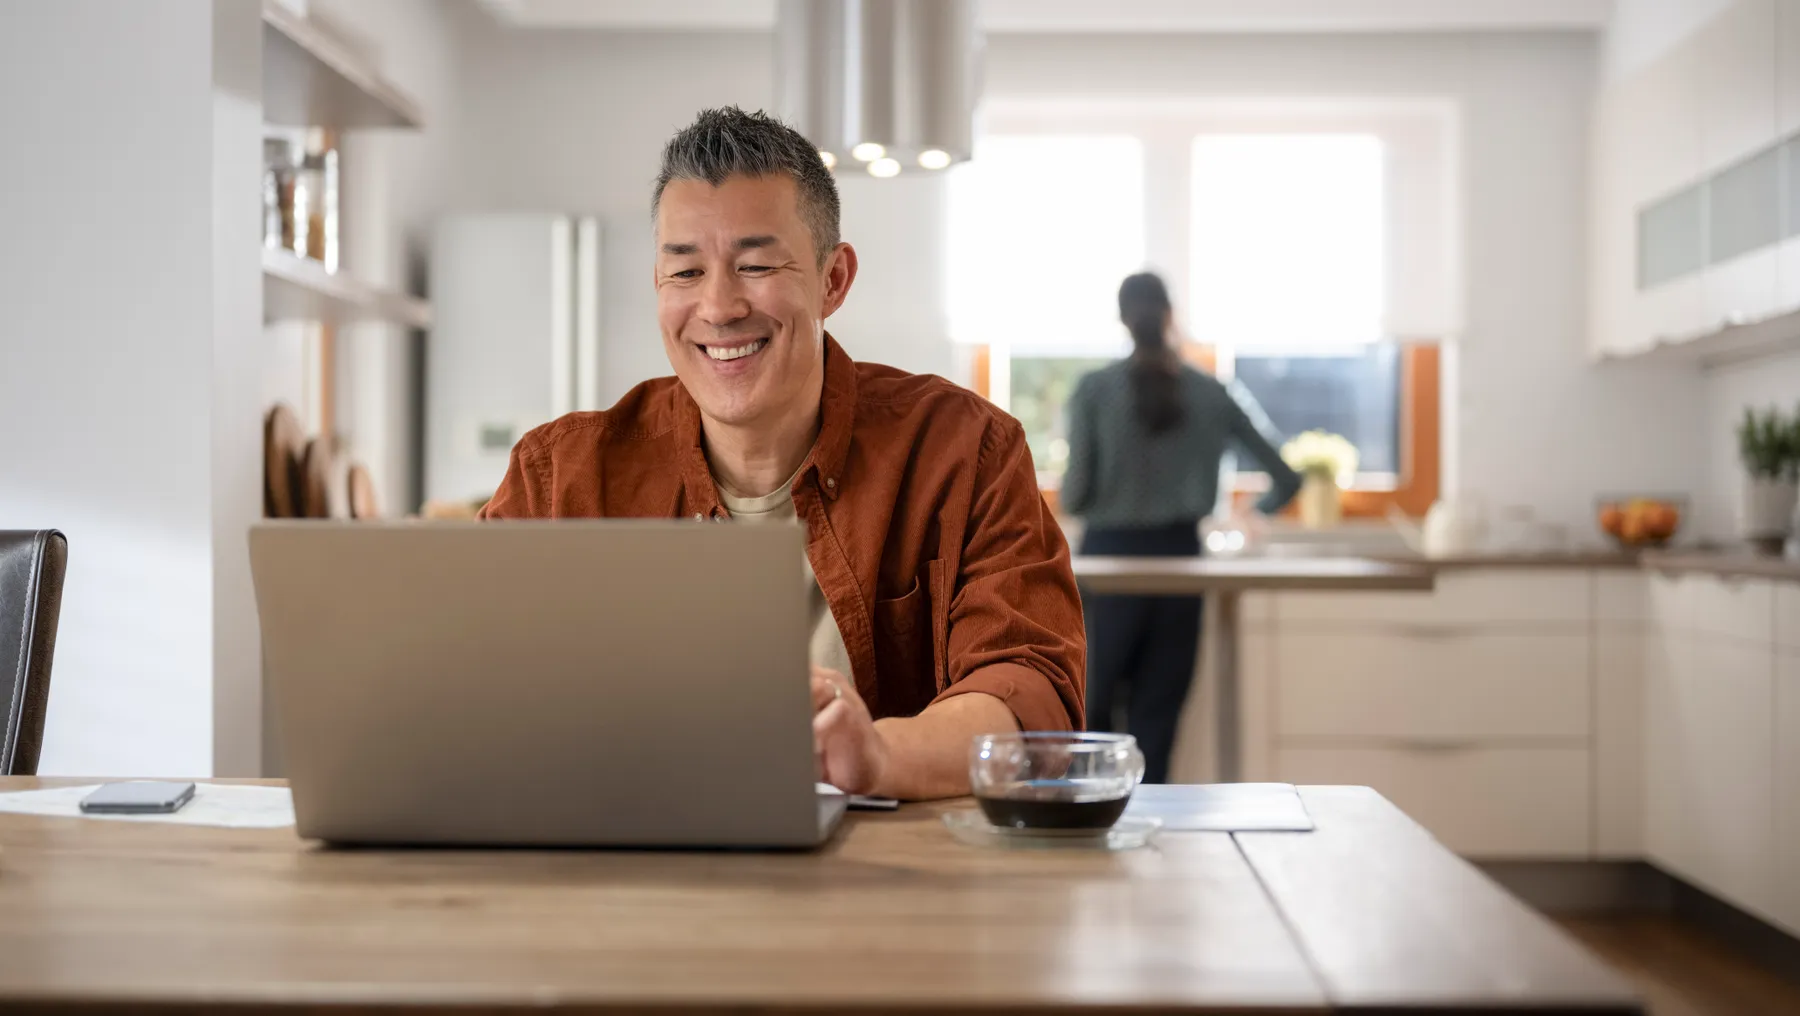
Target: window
1285,272
1041,230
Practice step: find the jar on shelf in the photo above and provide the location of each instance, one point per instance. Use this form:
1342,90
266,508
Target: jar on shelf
316,200
280,169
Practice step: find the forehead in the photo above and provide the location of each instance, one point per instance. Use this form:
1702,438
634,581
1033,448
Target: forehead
694,210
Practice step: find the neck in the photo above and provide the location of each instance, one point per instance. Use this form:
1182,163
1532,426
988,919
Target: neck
753,460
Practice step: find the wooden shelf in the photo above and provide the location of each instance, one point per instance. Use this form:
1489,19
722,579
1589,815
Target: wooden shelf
297,287
311,79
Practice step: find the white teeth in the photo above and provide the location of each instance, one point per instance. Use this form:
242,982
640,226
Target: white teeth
735,352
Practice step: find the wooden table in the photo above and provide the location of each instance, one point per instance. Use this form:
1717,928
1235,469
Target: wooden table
1222,580
893,916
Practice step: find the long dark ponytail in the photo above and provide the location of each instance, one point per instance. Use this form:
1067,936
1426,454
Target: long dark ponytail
1155,372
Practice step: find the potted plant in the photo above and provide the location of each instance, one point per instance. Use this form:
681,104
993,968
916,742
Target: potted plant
1769,447
1326,463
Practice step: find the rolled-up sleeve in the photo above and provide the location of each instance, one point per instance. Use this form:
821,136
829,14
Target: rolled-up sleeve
1015,629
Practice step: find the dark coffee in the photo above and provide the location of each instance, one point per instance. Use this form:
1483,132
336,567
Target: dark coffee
1051,804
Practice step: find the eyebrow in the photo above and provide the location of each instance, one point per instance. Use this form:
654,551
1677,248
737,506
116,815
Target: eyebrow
743,243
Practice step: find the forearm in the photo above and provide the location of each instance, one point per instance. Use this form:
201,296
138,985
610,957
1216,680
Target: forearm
928,754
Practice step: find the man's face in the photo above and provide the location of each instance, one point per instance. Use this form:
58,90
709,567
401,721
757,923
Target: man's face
741,296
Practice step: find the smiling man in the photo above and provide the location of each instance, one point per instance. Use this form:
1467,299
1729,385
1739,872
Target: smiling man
944,604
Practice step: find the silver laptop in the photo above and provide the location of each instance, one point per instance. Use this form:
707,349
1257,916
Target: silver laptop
605,683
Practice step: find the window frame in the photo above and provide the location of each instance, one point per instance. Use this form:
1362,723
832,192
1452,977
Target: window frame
1426,128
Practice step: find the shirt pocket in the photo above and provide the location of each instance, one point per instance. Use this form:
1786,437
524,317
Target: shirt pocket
905,659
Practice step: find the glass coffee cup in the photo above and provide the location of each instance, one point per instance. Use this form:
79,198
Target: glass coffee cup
1054,780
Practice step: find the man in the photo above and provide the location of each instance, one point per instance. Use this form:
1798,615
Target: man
945,606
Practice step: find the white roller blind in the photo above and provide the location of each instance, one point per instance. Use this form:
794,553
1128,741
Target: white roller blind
1288,241
1041,231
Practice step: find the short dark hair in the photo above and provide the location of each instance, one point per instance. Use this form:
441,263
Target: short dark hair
729,142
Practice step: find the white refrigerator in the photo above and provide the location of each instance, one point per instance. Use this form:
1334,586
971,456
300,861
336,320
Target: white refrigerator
516,341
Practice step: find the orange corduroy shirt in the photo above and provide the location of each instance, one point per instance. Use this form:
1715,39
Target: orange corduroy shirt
945,570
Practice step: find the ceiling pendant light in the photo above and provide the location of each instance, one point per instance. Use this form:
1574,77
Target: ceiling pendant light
880,81
884,168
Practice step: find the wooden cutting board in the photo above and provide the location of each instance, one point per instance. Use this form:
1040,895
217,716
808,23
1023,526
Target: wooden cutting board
282,439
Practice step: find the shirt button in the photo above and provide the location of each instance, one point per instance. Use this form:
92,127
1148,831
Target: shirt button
831,483
698,517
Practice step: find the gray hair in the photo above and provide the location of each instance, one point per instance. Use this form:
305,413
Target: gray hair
728,142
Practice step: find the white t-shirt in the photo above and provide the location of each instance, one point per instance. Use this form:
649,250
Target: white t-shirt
826,648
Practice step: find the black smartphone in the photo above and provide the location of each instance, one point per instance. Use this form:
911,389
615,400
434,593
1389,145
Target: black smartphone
139,797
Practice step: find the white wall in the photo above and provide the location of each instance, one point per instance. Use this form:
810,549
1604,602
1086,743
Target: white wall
1642,30
576,121
119,370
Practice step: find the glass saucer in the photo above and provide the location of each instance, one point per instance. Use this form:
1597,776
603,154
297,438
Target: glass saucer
970,826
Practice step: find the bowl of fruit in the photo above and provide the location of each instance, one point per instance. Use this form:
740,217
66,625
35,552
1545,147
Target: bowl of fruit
1638,522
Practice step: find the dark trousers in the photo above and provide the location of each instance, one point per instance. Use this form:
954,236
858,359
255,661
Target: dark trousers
1141,649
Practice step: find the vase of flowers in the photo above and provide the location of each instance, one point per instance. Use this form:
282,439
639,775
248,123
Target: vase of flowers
1326,463
1769,448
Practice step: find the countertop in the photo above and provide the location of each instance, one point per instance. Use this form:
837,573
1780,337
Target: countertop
1723,562
1193,576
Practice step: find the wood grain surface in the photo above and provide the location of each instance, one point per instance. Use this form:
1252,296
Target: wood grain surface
1447,937
893,916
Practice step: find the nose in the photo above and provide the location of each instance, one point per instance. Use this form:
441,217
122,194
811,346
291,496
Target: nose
722,300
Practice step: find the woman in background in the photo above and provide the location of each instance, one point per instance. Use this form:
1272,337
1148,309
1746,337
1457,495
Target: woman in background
1146,438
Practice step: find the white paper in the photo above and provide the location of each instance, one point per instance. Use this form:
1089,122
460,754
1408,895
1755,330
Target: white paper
1222,807
214,804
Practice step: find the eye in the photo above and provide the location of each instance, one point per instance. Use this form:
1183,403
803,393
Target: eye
756,268
686,273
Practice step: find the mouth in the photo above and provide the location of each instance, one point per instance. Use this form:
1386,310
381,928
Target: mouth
737,351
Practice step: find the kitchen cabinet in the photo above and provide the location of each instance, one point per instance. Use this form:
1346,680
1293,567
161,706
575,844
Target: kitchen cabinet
1448,685
1492,801
1470,706
1738,123
1787,113
1660,125
1689,162
1621,635
1787,756
1710,738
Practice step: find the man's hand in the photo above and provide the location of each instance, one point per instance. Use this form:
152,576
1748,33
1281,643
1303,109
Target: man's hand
915,758
853,756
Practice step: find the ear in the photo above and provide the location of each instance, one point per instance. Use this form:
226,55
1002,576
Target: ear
840,272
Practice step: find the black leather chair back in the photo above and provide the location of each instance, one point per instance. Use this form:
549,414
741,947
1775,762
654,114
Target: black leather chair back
31,582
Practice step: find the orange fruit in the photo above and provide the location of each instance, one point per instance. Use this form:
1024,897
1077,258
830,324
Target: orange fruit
1633,529
1612,520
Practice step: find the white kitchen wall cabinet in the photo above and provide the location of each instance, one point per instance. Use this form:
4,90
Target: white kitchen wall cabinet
1738,123
1787,113
1660,124
1689,161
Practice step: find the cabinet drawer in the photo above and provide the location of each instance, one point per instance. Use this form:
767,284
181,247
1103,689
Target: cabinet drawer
1481,802
1733,608
1461,597
1450,685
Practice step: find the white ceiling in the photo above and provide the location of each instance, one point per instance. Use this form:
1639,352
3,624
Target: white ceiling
1099,15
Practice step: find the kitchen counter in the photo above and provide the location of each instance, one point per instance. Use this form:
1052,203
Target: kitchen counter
1195,576
1724,563
1594,558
